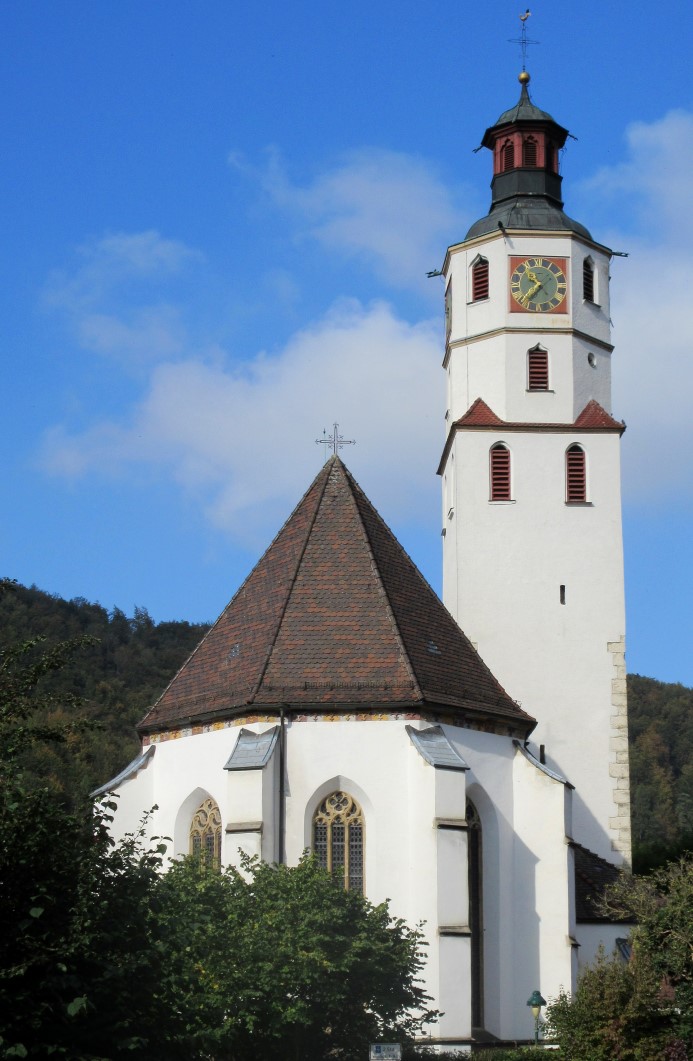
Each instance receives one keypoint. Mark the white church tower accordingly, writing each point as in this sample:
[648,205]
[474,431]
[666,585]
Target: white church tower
[532,542]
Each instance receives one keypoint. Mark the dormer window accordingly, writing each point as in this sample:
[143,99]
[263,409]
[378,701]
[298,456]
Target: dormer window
[507,156]
[588,280]
[479,280]
[529,151]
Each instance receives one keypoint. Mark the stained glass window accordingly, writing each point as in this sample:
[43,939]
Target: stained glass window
[205,833]
[338,839]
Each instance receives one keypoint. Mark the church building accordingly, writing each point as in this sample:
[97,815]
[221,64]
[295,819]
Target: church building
[467,760]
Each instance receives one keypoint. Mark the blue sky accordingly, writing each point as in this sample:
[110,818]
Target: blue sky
[218,220]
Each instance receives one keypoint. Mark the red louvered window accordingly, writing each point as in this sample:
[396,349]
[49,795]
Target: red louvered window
[575,474]
[507,156]
[537,369]
[529,151]
[500,473]
[479,280]
[588,280]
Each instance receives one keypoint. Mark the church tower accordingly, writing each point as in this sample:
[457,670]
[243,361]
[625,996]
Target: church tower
[532,541]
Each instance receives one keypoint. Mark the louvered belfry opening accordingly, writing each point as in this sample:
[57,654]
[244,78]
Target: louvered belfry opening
[538,369]
[500,473]
[480,280]
[588,280]
[529,151]
[575,474]
[507,156]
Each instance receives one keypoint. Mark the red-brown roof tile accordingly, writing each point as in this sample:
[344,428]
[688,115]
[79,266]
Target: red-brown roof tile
[334,614]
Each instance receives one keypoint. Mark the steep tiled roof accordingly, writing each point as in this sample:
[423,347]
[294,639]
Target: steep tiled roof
[481,417]
[334,614]
[593,875]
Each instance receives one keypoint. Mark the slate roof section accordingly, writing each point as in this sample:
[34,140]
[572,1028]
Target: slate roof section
[133,768]
[335,614]
[593,874]
[480,417]
[436,749]
[252,750]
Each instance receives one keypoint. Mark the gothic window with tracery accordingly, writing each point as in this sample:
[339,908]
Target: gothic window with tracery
[205,833]
[338,839]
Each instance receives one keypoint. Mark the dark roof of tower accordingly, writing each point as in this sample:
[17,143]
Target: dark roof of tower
[525,111]
[524,212]
[334,614]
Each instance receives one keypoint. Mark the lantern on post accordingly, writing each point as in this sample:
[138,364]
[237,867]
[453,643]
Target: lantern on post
[535,1002]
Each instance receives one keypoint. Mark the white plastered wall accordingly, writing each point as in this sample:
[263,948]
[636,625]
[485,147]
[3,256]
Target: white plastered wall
[504,564]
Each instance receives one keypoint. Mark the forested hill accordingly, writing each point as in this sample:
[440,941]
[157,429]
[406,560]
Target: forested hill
[135,658]
[118,678]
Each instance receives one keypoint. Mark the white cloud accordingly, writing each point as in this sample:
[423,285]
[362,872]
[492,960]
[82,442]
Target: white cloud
[390,210]
[112,298]
[653,359]
[654,183]
[243,441]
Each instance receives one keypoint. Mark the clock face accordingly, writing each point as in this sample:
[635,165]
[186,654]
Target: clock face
[538,285]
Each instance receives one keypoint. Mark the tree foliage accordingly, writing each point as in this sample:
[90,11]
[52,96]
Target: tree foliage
[92,707]
[660,720]
[641,1010]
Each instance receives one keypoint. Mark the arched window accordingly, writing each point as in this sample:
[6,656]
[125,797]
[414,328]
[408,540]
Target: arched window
[575,474]
[550,156]
[588,280]
[507,156]
[338,839]
[479,279]
[476,912]
[537,369]
[205,833]
[529,151]
[499,473]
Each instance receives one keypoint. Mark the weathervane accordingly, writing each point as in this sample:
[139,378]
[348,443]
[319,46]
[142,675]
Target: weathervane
[335,440]
[523,40]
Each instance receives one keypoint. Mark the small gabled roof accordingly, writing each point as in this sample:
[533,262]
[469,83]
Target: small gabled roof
[334,614]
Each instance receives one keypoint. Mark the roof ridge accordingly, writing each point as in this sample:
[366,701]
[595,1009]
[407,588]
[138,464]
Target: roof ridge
[376,566]
[297,568]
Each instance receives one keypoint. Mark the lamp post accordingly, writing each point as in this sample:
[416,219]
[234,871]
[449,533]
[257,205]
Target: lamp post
[535,1001]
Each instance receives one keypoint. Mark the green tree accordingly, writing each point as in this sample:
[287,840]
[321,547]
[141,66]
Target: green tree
[285,963]
[641,1010]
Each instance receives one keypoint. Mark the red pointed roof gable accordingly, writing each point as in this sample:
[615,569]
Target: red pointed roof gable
[334,614]
[595,416]
[479,414]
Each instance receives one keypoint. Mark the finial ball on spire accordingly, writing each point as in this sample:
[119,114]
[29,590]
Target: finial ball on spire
[524,78]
